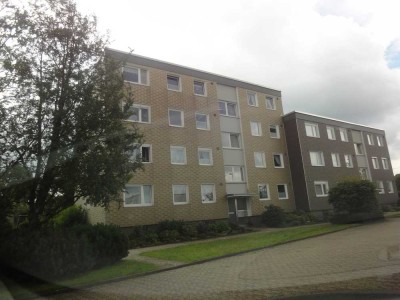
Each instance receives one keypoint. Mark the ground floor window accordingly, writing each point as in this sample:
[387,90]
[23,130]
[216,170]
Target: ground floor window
[321,188]
[282,191]
[138,195]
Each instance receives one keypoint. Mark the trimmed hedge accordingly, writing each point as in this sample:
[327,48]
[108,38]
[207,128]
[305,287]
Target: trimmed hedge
[356,217]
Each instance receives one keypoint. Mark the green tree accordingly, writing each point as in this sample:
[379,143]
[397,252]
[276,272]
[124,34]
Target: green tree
[61,119]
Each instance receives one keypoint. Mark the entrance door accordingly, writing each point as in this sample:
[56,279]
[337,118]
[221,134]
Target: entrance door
[232,215]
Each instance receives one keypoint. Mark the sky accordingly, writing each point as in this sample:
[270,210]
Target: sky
[339,59]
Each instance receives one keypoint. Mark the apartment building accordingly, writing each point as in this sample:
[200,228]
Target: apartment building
[324,150]
[214,147]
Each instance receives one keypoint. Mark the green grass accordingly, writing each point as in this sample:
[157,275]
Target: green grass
[122,268]
[200,251]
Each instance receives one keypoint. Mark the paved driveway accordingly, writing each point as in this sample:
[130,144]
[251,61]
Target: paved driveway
[369,250]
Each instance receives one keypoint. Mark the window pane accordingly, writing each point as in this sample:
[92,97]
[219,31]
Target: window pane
[134,114]
[222,108]
[281,191]
[318,190]
[131,74]
[270,103]
[143,76]
[263,191]
[145,114]
[251,99]
[179,193]
[277,160]
[178,155]
[175,118]
[255,128]
[231,109]
[226,139]
[199,88]
[173,83]
[204,157]
[234,141]
[207,193]
[237,174]
[274,131]
[132,194]
[201,121]
[145,154]
[147,194]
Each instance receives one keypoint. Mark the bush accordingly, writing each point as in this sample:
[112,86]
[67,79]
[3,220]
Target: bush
[189,231]
[171,225]
[169,236]
[142,236]
[274,216]
[73,215]
[222,227]
[356,217]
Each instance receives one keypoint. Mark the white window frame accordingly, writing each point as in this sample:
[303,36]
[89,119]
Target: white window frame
[262,156]
[278,134]
[184,153]
[226,114]
[202,193]
[385,163]
[182,118]
[379,140]
[281,159]
[330,131]
[207,121]
[204,88]
[324,188]
[380,187]
[320,157]
[230,140]
[272,100]
[233,170]
[205,150]
[350,164]
[259,128]
[140,115]
[358,148]
[150,154]
[343,135]
[390,187]
[187,194]
[313,130]
[142,203]
[268,192]
[336,160]
[370,139]
[249,94]
[140,70]
[286,191]
[375,163]
[179,83]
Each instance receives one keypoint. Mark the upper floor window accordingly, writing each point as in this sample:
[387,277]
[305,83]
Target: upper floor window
[385,163]
[255,128]
[282,191]
[274,131]
[263,191]
[370,139]
[178,155]
[375,163]
[358,147]
[317,158]
[380,188]
[180,193]
[138,195]
[173,83]
[202,121]
[278,161]
[135,75]
[252,99]
[227,108]
[139,113]
[348,160]
[208,193]
[205,156]
[343,135]
[379,140]
[175,118]
[321,188]
[331,132]
[259,159]
[335,159]
[312,130]
[390,187]
[230,140]
[270,102]
[199,88]
[234,174]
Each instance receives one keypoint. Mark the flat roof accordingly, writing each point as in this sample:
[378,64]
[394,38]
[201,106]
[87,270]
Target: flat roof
[175,68]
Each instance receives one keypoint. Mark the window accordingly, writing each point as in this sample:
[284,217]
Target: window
[370,139]
[205,157]
[375,163]
[274,131]
[317,158]
[390,187]
[278,160]
[252,99]
[230,140]
[335,160]
[175,118]
[135,75]
[312,130]
[207,193]
[142,152]
[282,191]
[259,159]
[321,188]
[380,140]
[199,88]
[227,109]
[173,83]
[385,163]
[331,133]
[180,194]
[348,160]
[138,195]
[343,135]
[234,174]
[255,128]
[178,155]
[202,121]
[379,187]
[363,173]
[263,191]
[358,147]
[270,102]
[139,113]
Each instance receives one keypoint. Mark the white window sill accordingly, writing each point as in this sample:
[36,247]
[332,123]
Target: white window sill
[138,205]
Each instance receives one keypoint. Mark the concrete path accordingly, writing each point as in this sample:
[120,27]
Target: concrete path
[369,250]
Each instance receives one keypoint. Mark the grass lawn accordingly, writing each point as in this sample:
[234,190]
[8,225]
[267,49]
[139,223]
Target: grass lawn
[200,251]
[120,269]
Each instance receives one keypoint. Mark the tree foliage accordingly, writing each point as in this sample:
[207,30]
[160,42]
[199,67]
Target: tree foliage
[62,134]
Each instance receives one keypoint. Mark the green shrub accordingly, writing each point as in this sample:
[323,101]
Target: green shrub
[202,228]
[169,235]
[274,216]
[222,227]
[170,225]
[355,217]
[189,231]
[73,215]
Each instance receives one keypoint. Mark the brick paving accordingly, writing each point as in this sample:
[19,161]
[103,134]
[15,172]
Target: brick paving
[351,259]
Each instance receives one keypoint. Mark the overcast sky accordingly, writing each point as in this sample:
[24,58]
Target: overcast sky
[339,59]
